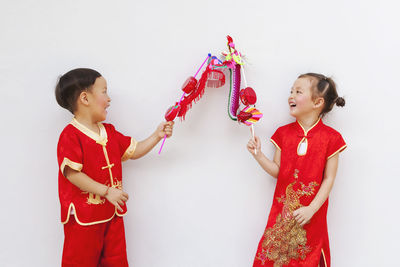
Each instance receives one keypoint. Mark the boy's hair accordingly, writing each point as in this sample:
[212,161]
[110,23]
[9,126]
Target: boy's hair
[325,87]
[71,84]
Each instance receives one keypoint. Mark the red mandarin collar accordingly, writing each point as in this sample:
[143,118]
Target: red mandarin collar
[307,134]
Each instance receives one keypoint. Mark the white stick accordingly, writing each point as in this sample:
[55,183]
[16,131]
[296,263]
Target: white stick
[254,139]
[244,77]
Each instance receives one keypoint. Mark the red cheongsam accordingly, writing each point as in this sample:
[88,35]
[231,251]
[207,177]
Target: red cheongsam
[98,156]
[303,158]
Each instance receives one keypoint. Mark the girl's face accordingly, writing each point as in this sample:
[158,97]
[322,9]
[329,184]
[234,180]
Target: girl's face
[99,99]
[300,99]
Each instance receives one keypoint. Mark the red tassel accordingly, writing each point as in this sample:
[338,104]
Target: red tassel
[195,96]
[215,79]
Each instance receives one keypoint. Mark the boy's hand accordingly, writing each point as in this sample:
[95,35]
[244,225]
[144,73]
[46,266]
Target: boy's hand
[254,144]
[303,215]
[165,128]
[117,197]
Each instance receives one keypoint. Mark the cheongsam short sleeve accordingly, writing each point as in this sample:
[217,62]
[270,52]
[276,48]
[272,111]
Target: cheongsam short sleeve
[336,145]
[69,152]
[276,138]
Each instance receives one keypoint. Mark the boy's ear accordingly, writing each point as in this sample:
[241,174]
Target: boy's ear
[319,102]
[84,98]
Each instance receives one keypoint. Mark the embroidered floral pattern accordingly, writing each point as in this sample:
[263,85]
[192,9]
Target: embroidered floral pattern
[287,240]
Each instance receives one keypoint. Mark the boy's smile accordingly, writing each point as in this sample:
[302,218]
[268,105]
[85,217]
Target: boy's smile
[99,100]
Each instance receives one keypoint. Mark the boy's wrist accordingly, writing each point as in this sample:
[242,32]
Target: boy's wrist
[106,192]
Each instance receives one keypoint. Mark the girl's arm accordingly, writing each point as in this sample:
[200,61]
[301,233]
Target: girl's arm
[144,147]
[115,196]
[271,167]
[304,214]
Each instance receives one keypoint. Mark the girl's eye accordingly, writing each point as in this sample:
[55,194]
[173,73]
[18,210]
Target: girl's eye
[299,92]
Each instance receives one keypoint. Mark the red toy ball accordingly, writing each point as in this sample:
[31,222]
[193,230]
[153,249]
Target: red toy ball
[189,85]
[172,112]
[248,96]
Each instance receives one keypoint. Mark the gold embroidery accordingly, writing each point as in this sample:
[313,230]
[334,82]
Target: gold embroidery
[117,184]
[95,199]
[287,240]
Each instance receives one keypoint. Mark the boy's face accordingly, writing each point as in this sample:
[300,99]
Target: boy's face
[99,100]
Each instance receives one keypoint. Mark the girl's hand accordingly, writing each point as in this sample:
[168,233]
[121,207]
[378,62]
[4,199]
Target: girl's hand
[165,128]
[117,197]
[254,144]
[303,215]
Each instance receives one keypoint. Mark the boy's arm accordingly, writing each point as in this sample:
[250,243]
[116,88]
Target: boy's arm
[271,167]
[145,146]
[81,180]
[304,214]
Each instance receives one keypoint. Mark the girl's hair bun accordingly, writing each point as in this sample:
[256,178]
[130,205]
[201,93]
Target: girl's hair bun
[340,102]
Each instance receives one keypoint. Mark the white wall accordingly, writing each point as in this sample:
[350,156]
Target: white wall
[204,202]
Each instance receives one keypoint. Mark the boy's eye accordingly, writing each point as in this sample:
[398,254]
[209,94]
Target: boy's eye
[299,92]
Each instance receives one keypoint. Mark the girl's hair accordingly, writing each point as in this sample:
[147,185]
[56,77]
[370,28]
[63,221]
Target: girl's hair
[325,87]
[71,84]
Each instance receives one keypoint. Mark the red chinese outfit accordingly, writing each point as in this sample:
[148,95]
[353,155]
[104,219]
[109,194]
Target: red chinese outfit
[84,214]
[303,158]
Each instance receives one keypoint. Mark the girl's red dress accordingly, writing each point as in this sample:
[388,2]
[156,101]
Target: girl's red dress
[303,158]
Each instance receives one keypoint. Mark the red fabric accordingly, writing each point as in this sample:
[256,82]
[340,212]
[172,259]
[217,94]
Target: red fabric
[284,242]
[80,148]
[95,245]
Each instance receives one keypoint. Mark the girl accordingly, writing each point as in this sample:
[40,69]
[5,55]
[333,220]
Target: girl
[305,163]
[90,173]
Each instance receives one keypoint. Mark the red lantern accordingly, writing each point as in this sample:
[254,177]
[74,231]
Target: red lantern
[172,112]
[189,85]
[248,96]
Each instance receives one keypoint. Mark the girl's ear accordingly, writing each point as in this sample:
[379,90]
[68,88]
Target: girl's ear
[84,98]
[319,102]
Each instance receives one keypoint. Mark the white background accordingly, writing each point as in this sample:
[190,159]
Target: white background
[204,202]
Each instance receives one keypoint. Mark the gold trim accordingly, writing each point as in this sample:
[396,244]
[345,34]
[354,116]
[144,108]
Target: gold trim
[96,137]
[73,165]
[81,223]
[305,136]
[337,151]
[108,164]
[323,254]
[298,146]
[306,132]
[275,144]
[130,150]
[120,215]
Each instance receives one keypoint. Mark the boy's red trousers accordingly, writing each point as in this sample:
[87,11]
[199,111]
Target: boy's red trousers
[95,245]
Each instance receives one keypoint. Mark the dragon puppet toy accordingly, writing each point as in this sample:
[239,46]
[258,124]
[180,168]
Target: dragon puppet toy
[214,77]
